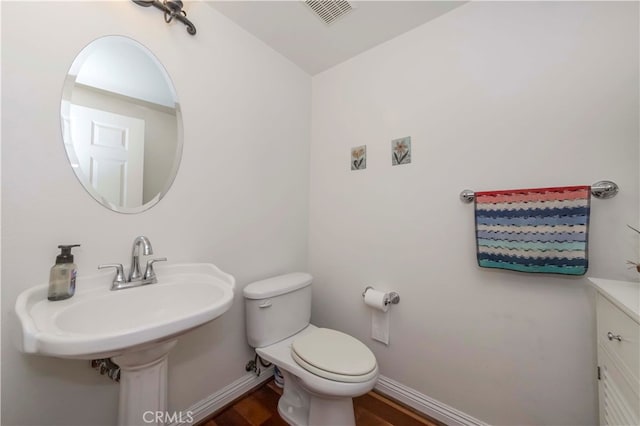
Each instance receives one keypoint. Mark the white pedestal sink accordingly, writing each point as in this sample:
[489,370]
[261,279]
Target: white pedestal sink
[136,327]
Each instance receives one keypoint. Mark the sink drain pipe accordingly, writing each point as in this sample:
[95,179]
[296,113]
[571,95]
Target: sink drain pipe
[108,367]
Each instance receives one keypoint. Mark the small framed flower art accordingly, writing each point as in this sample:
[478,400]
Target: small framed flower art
[359,157]
[401,151]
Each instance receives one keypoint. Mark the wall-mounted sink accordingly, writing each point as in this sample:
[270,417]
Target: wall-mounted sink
[136,327]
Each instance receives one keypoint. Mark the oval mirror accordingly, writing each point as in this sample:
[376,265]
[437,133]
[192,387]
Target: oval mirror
[121,124]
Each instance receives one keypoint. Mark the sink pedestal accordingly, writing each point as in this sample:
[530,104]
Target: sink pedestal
[143,385]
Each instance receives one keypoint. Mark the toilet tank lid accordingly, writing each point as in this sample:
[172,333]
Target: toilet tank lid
[276,286]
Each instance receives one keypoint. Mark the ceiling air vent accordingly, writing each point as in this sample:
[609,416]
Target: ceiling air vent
[329,10]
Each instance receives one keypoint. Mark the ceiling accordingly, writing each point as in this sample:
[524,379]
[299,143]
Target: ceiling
[292,28]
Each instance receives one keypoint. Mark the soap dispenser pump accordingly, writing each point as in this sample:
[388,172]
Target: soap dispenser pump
[62,279]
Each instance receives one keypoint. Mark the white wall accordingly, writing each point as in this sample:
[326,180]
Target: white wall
[495,95]
[240,199]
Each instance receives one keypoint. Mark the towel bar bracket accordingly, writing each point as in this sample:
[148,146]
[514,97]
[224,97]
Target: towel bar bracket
[603,190]
[467,196]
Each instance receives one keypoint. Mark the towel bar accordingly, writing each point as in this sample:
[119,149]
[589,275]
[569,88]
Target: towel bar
[602,189]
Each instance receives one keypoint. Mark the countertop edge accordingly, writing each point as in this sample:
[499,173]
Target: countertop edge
[624,294]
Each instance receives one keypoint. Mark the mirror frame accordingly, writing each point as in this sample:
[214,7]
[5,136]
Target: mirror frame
[68,86]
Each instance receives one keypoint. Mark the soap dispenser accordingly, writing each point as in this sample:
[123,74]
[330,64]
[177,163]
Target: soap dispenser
[62,279]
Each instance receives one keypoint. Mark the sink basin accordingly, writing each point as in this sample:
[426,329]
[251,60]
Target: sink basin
[100,323]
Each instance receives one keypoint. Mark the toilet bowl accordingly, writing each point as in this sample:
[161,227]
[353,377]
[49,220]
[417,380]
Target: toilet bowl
[323,369]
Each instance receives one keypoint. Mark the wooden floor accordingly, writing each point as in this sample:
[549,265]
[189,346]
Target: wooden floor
[260,408]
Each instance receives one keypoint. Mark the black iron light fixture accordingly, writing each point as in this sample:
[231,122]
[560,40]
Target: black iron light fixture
[172,9]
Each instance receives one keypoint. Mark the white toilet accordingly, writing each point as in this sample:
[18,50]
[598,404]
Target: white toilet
[323,369]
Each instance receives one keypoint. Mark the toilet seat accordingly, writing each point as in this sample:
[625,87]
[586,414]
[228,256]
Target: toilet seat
[334,355]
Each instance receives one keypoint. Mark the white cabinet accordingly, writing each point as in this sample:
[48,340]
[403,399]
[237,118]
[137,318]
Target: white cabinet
[618,328]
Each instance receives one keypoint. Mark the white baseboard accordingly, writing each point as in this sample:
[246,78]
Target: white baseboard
[425,404]
[202,409]
[406,395]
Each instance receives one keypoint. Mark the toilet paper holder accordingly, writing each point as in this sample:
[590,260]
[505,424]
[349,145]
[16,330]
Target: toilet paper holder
[389,298]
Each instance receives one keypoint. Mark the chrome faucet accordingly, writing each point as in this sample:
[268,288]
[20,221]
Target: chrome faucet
[135,278]
[134,272]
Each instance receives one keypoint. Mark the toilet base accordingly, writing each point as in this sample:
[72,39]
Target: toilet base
[334,411]
[293,405]
[298,407]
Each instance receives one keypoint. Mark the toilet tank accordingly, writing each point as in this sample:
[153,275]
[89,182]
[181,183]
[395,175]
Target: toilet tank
[277,308]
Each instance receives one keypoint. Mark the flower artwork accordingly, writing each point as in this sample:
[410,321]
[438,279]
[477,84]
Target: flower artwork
[401,151]
[359,157]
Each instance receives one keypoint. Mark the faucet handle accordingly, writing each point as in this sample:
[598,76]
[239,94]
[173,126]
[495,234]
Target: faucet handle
[119,278]
[149,273]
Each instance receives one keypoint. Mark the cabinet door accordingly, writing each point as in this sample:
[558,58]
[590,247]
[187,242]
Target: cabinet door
[624,348]
[619,404]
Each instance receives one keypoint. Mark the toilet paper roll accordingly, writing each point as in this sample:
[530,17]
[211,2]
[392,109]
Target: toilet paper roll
[375,299]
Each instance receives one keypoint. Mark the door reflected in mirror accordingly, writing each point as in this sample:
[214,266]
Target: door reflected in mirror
[121,124]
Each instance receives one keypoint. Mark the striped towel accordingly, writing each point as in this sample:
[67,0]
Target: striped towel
[534,230]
